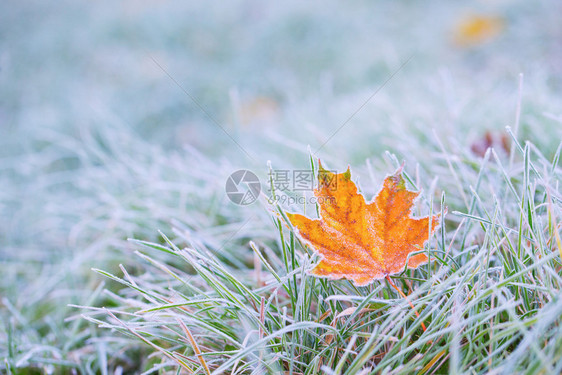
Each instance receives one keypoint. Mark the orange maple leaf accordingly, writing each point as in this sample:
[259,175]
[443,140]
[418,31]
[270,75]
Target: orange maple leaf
[363,241]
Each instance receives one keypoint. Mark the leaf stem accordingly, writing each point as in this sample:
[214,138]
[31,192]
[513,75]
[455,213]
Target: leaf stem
[405,297]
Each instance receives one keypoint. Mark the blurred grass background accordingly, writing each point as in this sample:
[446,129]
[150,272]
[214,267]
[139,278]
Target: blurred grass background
[100,144]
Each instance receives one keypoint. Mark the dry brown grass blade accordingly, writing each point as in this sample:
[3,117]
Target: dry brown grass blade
[405,297]
[194,346]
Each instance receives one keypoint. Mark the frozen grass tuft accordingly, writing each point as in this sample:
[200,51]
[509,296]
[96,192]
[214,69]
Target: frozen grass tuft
[91,193]
[490,298]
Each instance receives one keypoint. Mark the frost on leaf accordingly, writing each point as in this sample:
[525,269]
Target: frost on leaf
[363,241]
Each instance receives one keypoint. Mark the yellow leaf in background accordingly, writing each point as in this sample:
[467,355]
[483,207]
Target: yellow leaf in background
[477,29]
[258,110]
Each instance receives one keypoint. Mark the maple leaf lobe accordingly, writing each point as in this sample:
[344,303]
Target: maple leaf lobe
[363,241]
